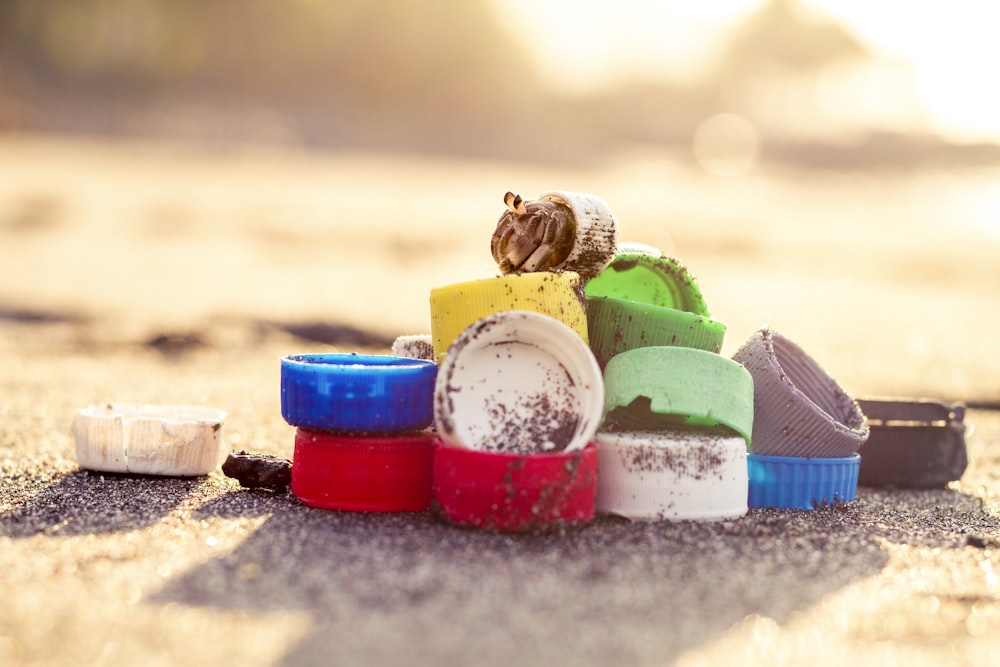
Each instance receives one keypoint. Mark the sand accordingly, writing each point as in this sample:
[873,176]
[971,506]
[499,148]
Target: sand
[148,273]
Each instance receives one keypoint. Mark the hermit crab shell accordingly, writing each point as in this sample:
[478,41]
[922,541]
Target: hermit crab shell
[593,228]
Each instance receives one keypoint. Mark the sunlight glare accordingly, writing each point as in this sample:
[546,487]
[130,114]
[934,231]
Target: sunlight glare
[587,45]
[945,49]
[952,49]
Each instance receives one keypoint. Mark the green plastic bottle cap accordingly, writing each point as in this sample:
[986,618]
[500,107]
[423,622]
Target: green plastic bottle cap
[618,325]
[651,388]
[648,278]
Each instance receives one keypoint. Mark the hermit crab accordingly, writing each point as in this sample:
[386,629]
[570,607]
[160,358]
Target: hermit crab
[532,236]
[557,231]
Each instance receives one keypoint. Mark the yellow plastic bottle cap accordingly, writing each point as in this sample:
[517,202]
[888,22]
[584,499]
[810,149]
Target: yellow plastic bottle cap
[455,307]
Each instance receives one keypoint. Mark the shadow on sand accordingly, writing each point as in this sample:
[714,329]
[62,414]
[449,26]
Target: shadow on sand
[409,588]
[89,503]
[393,589]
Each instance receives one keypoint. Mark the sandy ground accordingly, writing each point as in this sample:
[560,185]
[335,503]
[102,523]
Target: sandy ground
[148,273]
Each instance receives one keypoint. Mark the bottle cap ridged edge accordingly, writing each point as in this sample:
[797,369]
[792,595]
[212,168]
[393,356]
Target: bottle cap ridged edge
[801,483]
[515,492]
[389,473]
[799,410]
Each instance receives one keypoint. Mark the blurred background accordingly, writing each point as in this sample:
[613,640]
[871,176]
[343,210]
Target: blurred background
[816,83]
[829,167]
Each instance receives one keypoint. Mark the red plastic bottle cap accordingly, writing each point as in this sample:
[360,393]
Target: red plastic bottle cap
[515,492]
[366,473]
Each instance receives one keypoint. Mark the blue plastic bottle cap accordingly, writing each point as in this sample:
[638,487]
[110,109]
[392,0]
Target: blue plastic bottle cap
[793,482]
[355,393]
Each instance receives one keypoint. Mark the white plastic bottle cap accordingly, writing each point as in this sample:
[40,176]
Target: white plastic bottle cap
[414,346]
[672,474]
[181,440]
[518,382]
[596,232]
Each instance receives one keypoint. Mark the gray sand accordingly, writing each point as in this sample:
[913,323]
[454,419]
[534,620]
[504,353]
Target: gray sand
[113,570]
